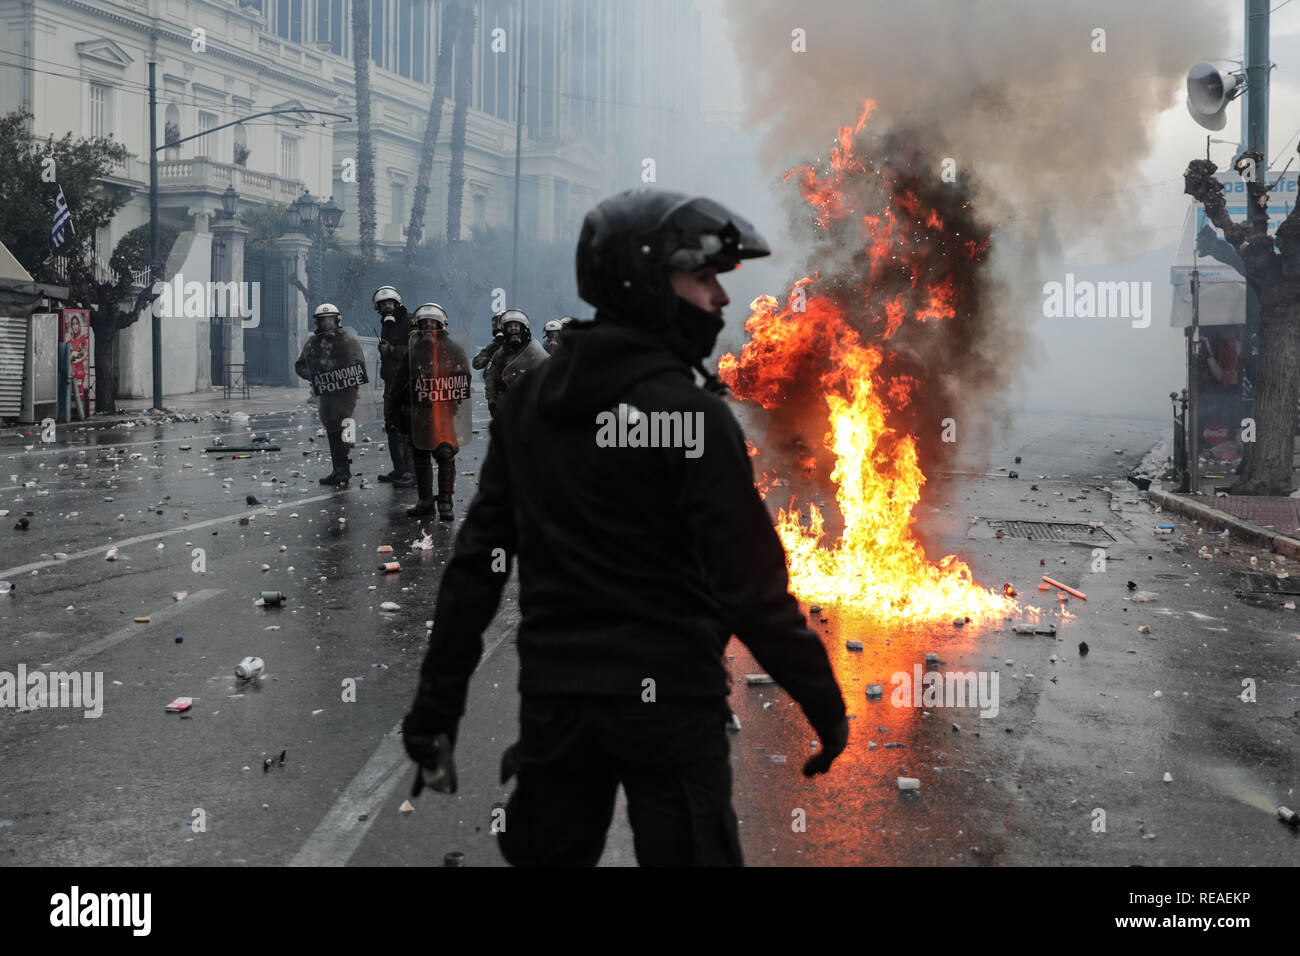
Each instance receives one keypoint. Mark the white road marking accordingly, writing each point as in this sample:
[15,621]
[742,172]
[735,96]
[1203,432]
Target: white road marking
[152,536]
[339,834]
[131,630]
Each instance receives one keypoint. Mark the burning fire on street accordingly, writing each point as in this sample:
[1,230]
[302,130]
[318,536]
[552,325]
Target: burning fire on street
[861,370]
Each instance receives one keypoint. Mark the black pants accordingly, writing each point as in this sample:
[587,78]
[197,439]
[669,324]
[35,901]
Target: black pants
[573,752]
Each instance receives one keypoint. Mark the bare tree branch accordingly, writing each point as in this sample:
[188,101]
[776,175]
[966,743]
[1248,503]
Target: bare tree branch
[1200,184]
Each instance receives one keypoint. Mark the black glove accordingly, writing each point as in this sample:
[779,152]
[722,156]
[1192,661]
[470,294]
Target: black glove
[433,752]
[385,347]
[498,337]
[833,745]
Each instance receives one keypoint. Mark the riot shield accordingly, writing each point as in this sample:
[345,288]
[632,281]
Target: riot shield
[335,362]
[440,397]
[530,356]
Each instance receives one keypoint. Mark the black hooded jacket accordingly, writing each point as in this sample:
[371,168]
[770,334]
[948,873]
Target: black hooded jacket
[634,562]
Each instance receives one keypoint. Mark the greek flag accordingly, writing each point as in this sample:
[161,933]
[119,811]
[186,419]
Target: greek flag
[62,217]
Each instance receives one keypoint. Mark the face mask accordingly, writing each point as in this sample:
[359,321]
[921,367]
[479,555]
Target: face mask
[389,317]
[514,341]
[694,332]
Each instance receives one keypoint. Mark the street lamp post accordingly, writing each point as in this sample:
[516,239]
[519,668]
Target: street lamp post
[319,219]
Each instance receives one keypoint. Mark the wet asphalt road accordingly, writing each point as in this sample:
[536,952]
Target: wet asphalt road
[1070,737]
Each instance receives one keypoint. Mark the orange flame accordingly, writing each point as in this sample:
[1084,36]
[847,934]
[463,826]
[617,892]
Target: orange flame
[876,564]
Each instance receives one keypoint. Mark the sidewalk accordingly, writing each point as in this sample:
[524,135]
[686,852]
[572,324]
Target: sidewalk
[211,402]
[1272,523]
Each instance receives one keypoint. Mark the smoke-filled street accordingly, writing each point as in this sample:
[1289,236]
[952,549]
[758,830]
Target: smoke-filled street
[1018,775]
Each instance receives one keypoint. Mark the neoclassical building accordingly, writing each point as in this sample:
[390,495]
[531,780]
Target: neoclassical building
[607,84]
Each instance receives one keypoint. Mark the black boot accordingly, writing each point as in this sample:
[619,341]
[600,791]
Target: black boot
[446,485]
[396,443]
[407,478]
[341,474]
[424,482]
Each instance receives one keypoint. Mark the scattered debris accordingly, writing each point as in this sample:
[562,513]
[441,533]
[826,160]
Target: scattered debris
[407,807]
[250,668]
[734,722]
[1046,629]
[853,645]
[390,566]
[908,783]
[1064,587]
[1288,816]
[111,555]
[1083,648]
[390,606]
[875,691]
[1144,629]
[1169,778]
[180,704]
[143,620]
[270,599]
[753,679]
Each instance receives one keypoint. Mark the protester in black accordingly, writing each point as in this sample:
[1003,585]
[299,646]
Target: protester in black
[636,563]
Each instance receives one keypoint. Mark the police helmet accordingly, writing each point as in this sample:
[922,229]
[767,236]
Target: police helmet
[512,315]
[328,318]
[430,316]
[552,326]
[386,292]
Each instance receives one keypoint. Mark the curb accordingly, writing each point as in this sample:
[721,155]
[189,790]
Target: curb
[1248,531]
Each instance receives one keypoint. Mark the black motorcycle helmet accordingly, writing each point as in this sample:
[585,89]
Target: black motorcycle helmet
[630,241]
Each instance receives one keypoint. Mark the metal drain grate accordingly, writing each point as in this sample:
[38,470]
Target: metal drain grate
[1051,531]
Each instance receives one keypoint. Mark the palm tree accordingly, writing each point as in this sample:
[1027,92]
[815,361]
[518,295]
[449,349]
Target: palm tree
[451,14]
[464,74]
[365,147]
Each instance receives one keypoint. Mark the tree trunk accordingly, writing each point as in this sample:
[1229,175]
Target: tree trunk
[451,16]
[1267,470]
[365,147]
[105,369]
[464,76]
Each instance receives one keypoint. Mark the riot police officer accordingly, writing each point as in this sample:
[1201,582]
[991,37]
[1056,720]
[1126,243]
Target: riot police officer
[333,362]
[626,608]
[483,363]
[551,332]
[394,330]
[519,352]
[431,401]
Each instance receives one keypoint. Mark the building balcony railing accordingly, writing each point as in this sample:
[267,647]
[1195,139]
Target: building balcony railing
[203,173]
[102,271]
